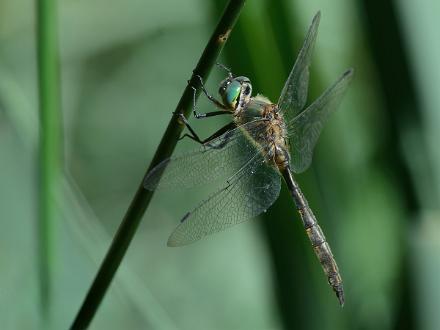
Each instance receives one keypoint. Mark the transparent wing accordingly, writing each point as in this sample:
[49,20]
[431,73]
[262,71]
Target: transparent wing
[245,195]
[294,94]
[220,158]
[305,129]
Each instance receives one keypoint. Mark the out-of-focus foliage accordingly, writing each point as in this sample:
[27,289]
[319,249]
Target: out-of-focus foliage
[374,183]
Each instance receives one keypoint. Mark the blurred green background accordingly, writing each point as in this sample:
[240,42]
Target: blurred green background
[374,183]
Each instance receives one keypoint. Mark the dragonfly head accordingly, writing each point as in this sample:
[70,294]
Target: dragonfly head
[235,91]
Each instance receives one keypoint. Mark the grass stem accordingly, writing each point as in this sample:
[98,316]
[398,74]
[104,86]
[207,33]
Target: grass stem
[49,141]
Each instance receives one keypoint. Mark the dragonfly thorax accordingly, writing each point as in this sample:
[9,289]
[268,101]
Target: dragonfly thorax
[235,92]
[269,129]
[275,136]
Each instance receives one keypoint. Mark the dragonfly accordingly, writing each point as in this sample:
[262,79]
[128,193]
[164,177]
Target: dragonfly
[264,142]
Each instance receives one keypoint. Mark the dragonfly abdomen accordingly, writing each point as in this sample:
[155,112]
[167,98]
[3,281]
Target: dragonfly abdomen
[323,252]
[316,236]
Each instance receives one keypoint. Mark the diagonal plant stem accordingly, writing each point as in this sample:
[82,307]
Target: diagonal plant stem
[142,197]
[50,142]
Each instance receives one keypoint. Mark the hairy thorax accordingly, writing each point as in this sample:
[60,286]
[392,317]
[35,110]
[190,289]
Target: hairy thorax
[273,133]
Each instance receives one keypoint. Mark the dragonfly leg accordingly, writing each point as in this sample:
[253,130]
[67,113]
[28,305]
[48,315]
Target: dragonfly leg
[193,135]
[220,132]
[201,115]
[224,67]
[217,103]
[211,114]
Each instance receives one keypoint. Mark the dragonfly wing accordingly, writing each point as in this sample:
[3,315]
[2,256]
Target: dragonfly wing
[294,94]
[217,159]
[245,195]
[304,130]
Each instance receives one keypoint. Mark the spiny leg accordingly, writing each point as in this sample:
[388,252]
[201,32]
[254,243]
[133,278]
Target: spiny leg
[197,115]
[217,103]
[200,115]
[195,137]
[224,67]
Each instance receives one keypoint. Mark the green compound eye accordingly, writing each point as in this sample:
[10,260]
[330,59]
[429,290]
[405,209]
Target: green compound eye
[232,92]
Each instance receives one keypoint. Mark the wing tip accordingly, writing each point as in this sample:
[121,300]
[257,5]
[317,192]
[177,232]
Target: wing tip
[153,176]
[317,17]
[147,184]
[175,241]
[346,77]
[176,238]
[315,22]
[171,242]
[348,73]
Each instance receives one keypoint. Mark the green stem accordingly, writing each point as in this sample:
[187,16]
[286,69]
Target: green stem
[142,198]
[50,140]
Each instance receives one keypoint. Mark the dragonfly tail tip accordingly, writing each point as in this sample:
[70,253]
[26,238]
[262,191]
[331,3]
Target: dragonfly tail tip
[341,298]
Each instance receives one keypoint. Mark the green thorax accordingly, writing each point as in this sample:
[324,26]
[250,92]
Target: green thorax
[254,108]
